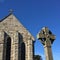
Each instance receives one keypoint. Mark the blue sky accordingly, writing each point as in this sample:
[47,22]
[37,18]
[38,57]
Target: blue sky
[35,14]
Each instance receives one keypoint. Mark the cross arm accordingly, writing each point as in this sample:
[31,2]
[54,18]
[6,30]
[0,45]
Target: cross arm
[52,38]
[40,36]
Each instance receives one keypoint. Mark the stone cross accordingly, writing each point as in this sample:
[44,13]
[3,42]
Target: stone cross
[10,11]
[47,38]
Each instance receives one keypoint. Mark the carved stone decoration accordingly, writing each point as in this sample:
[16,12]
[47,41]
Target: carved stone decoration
[47,38]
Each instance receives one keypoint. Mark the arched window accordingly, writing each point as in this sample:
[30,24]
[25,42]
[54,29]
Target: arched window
[23,51]
[8,48]
[21,48]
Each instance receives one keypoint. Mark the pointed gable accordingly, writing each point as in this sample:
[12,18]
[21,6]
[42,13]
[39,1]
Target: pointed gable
[11,23]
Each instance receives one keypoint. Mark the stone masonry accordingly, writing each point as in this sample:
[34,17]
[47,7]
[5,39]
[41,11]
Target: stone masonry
[47,38]
[16,43]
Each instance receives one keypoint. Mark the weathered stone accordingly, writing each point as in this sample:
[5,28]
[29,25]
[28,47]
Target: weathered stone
[47,38]
[14,38]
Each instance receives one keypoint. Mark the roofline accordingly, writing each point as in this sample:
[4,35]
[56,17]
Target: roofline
[5,17]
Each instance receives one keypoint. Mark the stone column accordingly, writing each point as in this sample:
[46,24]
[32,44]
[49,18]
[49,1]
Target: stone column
[1,45]
[48,51]
[47,38]
[16,42]
[30,49]
[26,56]
[12,46]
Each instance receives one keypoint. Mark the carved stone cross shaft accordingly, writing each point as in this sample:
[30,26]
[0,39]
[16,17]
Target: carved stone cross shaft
[47,38]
